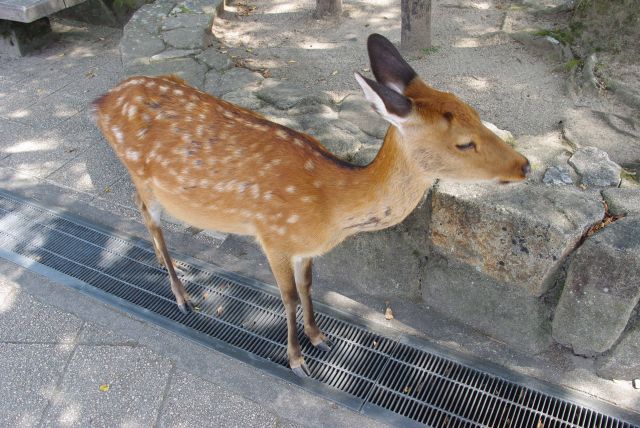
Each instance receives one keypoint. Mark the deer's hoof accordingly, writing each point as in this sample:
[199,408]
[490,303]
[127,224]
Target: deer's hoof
[325,345]
[302,371]
[186,307]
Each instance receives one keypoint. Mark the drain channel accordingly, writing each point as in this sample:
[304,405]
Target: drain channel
[402,384]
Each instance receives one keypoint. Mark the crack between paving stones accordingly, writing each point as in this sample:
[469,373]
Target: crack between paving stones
[165,394]
[55,392]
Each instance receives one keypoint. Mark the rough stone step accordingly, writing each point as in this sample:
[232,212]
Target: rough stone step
[601,290]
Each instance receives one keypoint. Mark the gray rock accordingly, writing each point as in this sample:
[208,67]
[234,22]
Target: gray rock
[386,264]
[557,176]
[622,361]
[211,79]
[138,48]
[246,99]
[187,68]
[149,17]
[215,59]
[616,135]
[342,138]
[173,54]
[188,38]
[357,110]
[514,234]
[188,20]
[544,151]
[595,168]
[366,155]
[510,314]
[544,46]
[601,290]
[284,95]
[234,79]
[210,7]
[622,201]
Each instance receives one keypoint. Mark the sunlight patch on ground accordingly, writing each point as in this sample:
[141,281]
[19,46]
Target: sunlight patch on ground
[477,83]
[33,145]
[8,295]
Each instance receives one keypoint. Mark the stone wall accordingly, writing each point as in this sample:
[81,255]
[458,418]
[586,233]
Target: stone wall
[518,262]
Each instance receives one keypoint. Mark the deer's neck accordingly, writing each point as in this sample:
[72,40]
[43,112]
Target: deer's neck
[385,192]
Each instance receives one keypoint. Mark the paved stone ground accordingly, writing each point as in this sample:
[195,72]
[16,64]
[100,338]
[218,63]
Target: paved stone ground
[48,151]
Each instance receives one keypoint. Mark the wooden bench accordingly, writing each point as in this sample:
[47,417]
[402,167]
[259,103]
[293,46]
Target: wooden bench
[24,24]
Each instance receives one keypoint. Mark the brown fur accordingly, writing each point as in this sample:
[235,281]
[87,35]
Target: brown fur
[218,166]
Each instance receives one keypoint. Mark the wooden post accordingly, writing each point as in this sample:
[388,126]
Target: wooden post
[328,8]
[416,25]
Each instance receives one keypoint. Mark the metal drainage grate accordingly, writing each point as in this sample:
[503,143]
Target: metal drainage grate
[378,376]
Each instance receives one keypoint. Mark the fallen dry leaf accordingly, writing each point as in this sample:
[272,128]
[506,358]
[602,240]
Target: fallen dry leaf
[219,311]
[334,72]
[104,387]
[388,313]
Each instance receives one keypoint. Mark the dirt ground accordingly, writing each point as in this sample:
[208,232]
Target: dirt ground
[472,54]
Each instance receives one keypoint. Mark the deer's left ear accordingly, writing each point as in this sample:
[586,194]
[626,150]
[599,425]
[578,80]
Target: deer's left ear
[391,105]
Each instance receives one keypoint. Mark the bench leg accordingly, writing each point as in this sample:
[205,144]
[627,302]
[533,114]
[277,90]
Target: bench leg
[17,38]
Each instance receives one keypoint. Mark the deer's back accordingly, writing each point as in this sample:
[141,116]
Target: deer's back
[216,165]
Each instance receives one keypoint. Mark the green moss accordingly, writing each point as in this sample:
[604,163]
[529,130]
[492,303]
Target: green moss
[431,50]
[572,64]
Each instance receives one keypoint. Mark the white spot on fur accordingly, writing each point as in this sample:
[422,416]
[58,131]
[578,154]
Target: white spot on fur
[281,133]
[291,189]
[317,184]
[255,191]
[150,84]
[132,155]
[163,88]
[309,165]
[118,134]
[141,133]
[146,117]
[268,195]
[298,142]
[178,92]
[132,111]
[293,219]
[307,199]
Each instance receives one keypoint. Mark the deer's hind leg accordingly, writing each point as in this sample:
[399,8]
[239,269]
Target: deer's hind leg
[302,268]
[152,222]
[282,269]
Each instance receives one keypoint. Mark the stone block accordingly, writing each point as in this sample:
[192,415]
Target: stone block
[188,38]
[387,264]
[246,99]
[215,59]
[284,95]
[18,38]
[505,312]
[622,201]
[342,138]
[622,361]
[601,289]
[188,20]
[231,80]
[545,151]
[137,47]
[515,234]
[173,54]
[357,110]
[595,168]
[187,68]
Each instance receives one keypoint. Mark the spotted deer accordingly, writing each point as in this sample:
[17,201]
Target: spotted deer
[218,166]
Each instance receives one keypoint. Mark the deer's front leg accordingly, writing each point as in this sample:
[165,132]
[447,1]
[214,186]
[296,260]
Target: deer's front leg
[162,253]
[283,271]
[302,267]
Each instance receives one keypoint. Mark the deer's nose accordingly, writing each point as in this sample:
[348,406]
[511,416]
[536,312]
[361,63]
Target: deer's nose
[526,169]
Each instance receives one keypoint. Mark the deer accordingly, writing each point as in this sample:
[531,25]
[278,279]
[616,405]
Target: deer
[217,166]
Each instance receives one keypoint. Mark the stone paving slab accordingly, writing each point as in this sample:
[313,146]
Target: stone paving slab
[25,319]
[27,379]
[191,401]
[136,379]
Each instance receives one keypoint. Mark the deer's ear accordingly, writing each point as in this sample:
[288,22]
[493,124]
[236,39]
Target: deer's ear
[388,65]
[389,104]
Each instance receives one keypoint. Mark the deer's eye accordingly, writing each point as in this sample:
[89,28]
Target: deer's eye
[464,147]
